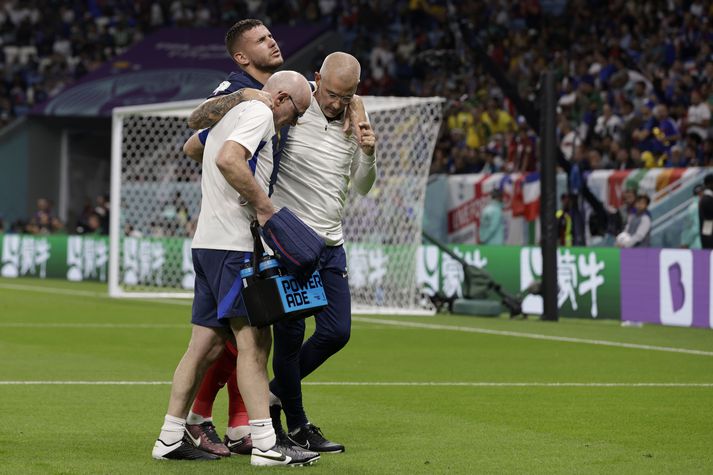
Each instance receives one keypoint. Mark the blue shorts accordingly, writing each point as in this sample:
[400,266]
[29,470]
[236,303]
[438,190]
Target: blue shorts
[217,290]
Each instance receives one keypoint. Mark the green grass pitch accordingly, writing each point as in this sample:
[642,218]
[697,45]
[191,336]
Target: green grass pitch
[443,394]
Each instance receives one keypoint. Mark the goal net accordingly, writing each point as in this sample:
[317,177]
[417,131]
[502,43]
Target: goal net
[155,201]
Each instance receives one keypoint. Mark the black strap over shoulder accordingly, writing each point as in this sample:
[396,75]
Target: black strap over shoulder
[258,248]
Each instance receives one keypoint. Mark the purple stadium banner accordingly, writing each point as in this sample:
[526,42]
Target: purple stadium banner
[172,64]
[667,286]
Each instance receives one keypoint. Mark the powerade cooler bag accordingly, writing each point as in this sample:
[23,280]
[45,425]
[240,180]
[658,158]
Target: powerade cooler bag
[296,245]
[270,297]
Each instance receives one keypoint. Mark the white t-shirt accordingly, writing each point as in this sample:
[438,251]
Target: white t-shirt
[225,217]
[315,169]
[698,114]
[569,143]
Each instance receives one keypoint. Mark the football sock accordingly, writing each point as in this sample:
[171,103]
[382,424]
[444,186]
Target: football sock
[235,433]
[195,419]
[172,429]
[215,378]
[262,434]
[237,412]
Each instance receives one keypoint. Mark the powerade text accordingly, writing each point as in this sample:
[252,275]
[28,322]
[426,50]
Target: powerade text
[296,294]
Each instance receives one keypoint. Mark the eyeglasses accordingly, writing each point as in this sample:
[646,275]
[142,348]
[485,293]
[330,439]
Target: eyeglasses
[343,99]
[297,111]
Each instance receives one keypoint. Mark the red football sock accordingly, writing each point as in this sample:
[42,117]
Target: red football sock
[215,378]
[237,412]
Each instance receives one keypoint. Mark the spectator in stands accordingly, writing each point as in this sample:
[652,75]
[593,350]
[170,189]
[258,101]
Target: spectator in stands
[698,118]
[564,220]
[623,160]
[492,223]
[676,158]
[608,124]
[497,119]
[705,213]
[101,210]
[629,123]
[522,149]
[663,130]
[628,198]
[638,225]
[44,221]
[570,140]
[82,224]
[94,225]
[491,162]
[691,238]
[639,98]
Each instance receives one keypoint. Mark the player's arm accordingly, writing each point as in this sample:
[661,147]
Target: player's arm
[363,172]
[212,110]
[194,146]
[232,162]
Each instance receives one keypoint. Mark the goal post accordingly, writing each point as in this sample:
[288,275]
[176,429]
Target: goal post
[155,201]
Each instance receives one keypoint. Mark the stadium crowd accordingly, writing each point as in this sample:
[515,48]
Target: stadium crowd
[635,78]
[93,219]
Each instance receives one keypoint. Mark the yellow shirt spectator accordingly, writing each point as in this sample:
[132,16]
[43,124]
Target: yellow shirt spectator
[476,134]
[501,122]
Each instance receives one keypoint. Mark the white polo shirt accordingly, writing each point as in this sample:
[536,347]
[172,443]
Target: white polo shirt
[314,172]
[225,217]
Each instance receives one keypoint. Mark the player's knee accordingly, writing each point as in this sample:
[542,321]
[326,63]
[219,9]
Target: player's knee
[341,337]
[335,339]
[206,343]
[214,352]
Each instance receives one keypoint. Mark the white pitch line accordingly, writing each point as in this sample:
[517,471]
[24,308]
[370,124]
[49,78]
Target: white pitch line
[95,325]
[534,336]
[84,383]
[86,293]
[518,385]
[475,384]
[53,290]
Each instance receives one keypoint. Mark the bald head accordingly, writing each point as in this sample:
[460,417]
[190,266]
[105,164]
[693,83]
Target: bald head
[341,67]
[291,82]
[337,82]
[291,96]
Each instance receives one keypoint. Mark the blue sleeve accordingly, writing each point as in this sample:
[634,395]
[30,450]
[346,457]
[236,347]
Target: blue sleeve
[203,135]
[225,87]
[669,128]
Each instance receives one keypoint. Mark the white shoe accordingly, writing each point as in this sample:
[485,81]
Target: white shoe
[282,454]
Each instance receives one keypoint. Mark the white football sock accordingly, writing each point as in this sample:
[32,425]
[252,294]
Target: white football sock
[237,432]
[262,434]
[195,419]
[172,429]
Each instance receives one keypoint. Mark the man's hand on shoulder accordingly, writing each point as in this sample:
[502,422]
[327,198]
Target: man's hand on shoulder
[212,110]
[250,94]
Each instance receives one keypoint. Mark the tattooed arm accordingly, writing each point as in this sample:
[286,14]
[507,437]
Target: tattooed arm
[213,109]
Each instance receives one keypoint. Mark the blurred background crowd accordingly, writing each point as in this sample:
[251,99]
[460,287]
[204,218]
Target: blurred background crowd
[635,79]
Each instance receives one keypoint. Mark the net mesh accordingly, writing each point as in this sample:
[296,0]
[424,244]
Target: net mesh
[158,195]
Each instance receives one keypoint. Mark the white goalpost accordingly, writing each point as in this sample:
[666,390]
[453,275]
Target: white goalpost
[155,201]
